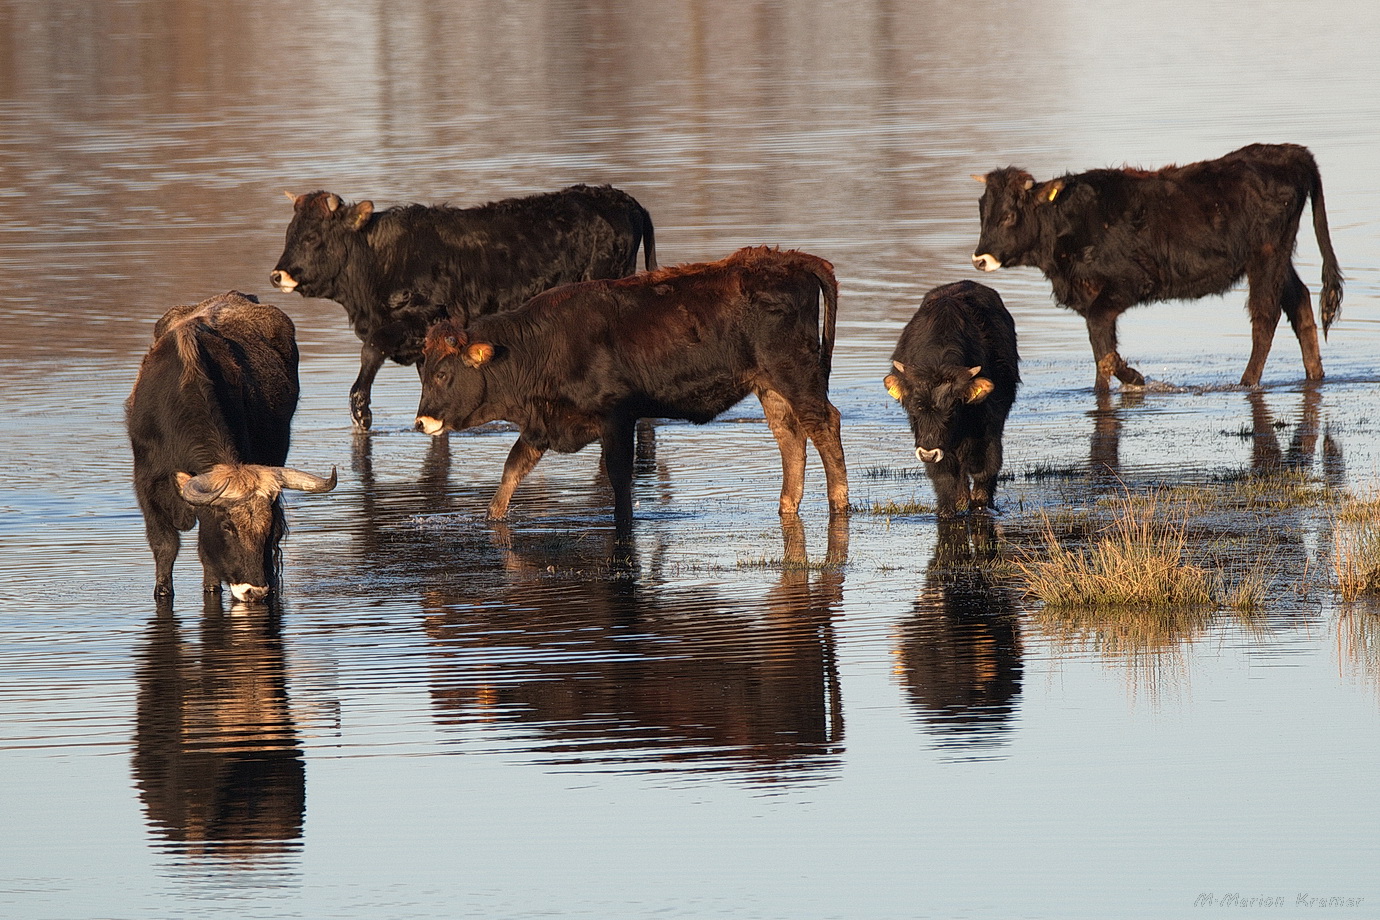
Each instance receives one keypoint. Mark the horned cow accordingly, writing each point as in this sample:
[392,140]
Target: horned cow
[209,423]
[955,372]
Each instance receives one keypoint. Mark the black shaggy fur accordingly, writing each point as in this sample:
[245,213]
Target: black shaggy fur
[955,372]
[398,270]
[1113,238]
[218,387]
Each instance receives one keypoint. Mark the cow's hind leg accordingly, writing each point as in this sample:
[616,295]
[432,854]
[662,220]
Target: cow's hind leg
[520,461]
[619,454]
[1298,306]
[790,440]
[1267,282]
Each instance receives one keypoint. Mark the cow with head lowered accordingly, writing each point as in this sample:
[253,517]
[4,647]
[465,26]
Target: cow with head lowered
[583,362]
[1109,239]
[398,270]
[209,422]
[955,371]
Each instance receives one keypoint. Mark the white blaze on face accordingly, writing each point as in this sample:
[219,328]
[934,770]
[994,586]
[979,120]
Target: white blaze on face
[986,262]
[248,593]
[432,426]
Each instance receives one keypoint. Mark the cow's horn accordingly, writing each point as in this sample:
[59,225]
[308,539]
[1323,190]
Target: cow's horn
[197,490]
[289,478]
[977,178]
[291,197]
[332,202]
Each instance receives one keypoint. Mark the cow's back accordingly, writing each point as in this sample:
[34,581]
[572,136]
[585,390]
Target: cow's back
[964,324]
[219,384]
[494,257]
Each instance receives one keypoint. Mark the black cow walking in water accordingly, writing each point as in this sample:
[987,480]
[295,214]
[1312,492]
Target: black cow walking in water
[1113,238]
[956,371]
[398,270]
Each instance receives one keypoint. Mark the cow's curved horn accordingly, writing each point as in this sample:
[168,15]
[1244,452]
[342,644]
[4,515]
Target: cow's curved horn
[291,197]
[977,178]
[332,202]
[198,490]
[304,482]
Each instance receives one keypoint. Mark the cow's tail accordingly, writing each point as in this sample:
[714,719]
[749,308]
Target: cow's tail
[829,285]
[648,240]
[1330,302]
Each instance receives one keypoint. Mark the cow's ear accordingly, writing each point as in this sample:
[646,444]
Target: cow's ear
[478,354]
[893,386]
[978,390]
[359,214]
[1050,190]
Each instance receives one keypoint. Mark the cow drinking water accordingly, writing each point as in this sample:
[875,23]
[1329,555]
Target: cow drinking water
[209,421]
[956,373]
[1113,238]
[398,270]
[584,362]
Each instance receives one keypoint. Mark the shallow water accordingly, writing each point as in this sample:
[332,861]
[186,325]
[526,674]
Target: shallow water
[447,718]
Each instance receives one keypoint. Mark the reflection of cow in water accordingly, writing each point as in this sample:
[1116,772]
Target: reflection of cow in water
[216,755]
[588,664]
[961,650]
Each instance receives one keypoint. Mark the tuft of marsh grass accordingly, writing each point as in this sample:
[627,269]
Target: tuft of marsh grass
[1138,560]
[1356,549]
[898,509]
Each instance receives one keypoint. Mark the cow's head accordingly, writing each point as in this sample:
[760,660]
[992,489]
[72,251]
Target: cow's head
[932,396]
[454,388]
[1012,222]
[322,238]
[241,521]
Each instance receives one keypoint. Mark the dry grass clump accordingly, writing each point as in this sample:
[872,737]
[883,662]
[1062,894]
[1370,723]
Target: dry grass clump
[1356,549]
[1139,560]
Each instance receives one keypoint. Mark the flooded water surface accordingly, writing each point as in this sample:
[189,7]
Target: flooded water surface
[737,716]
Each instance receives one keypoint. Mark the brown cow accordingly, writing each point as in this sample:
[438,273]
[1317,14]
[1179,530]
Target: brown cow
[583,362]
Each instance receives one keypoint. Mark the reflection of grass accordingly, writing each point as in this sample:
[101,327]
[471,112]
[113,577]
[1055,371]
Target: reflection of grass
[1356,549]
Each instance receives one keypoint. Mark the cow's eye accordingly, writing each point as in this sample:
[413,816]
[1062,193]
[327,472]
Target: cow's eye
[1009,220]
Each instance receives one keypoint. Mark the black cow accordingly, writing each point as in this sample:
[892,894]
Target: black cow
[209,421]
[585,361]
[956,374]
[399,270]
[1113,238]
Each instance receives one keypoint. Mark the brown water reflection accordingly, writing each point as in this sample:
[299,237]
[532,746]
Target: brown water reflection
[959,655]
[217,758]
[621,671]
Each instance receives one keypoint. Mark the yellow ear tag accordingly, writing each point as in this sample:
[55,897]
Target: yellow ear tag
[893,387]
[478,354]
[1054,191]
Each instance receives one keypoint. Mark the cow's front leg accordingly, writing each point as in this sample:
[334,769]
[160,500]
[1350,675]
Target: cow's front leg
[1102,336]
[617,443]
[520,461]
[370,360]
[986,463]
[165,541]
[944,476]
